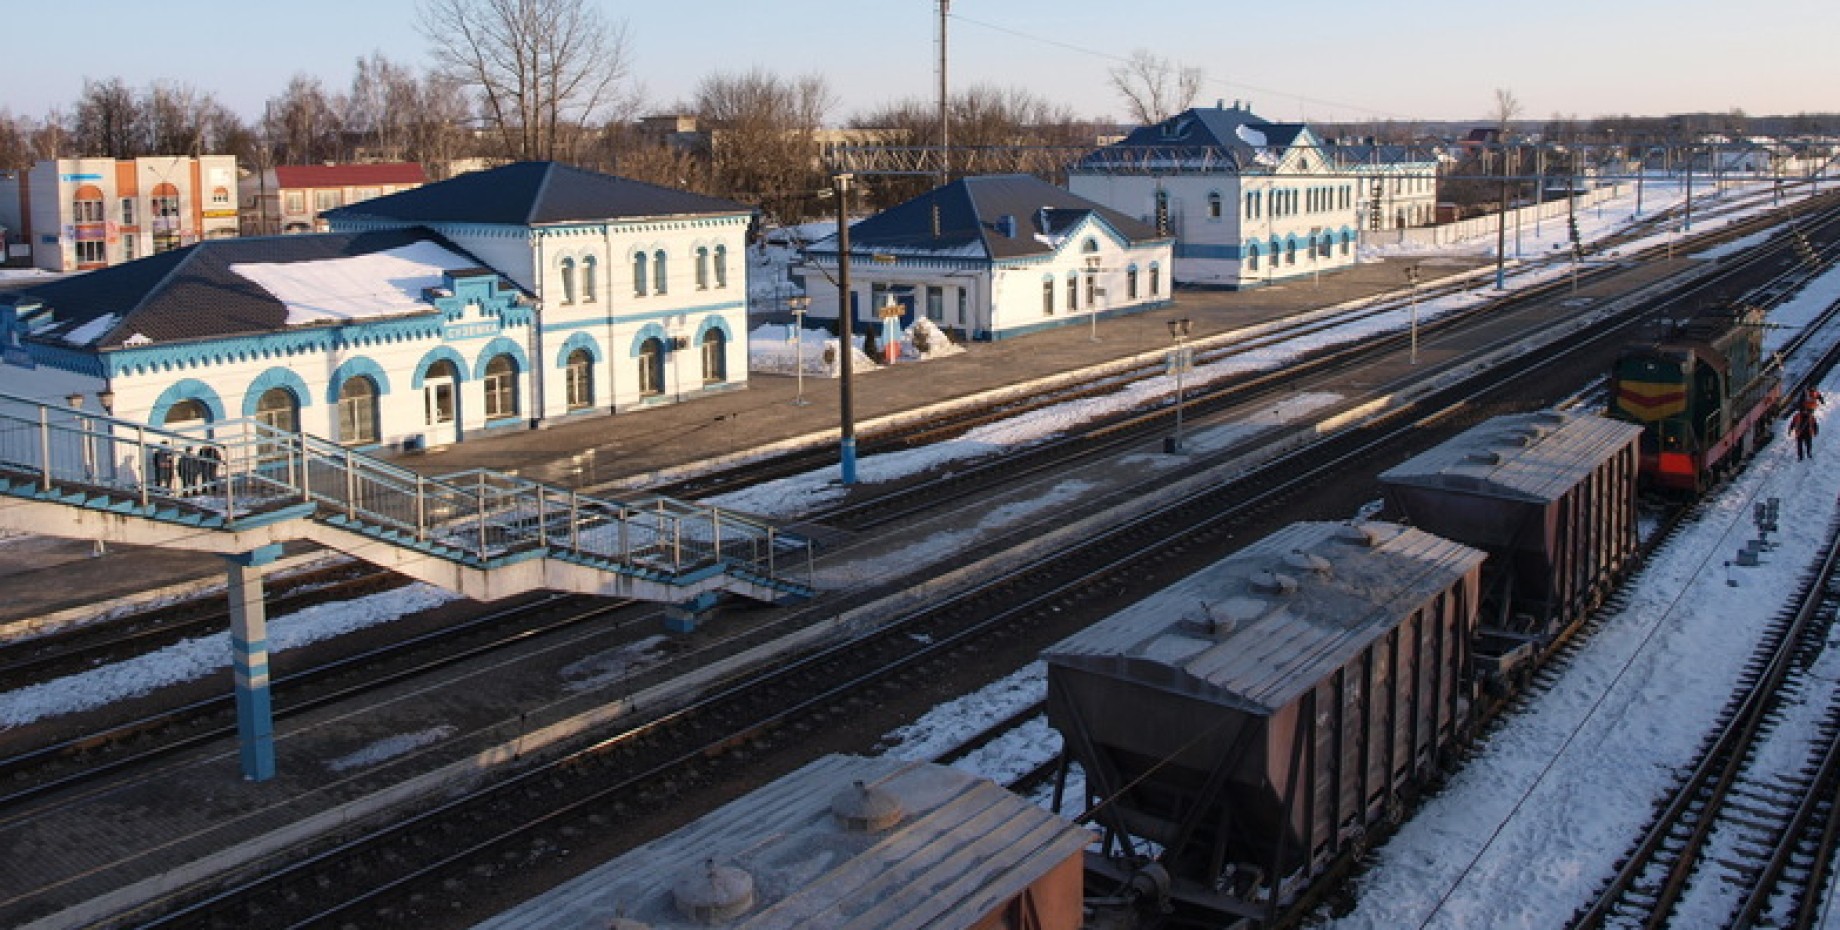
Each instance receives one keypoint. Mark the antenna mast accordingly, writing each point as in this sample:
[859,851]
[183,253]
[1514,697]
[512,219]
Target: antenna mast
[945,136]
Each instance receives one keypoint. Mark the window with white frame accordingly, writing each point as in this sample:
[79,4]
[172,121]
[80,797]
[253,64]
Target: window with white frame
[579,378]
[92,252]
[702,268]
[658,272]
[639,276]
[501,388]
[721,266]
[358,411]
[590,278]
[715,357]
[568,280]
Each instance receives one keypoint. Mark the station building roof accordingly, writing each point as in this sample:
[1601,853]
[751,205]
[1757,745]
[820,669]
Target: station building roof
[532,193]
[985,217]
[217,288]
[959,847]
[1533,457]
[1259,628]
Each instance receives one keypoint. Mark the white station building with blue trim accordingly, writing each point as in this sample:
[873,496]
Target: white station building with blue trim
[1248,201]
[503,299]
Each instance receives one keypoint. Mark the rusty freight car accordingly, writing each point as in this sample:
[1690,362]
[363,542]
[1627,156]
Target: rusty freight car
[1249,723]
[1551,497]
[845,843]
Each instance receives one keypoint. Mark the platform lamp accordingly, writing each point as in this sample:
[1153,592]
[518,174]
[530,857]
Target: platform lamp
[1412,279]
[1092,292]
[1180,361]
[798,304]
[845,329]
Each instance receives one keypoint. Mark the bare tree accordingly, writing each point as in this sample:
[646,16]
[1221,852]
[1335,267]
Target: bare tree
[303,123]
[543,68]
[108,121]
[177,120]
[1507,107]
[15,141]
[50,139]
[441,128]
[1155,88]
[381,106]
[761,128]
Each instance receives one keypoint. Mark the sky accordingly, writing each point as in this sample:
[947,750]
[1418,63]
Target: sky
[1328,61]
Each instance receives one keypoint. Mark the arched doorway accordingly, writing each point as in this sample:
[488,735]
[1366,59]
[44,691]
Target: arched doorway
[441,403]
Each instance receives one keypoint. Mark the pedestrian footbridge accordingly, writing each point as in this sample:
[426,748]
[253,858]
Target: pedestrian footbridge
[240,488]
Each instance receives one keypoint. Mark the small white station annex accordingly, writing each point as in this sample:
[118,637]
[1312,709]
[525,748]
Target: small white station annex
[992,257]
[507,298]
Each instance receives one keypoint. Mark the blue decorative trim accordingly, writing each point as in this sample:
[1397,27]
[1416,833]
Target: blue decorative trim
[438,354]
[709,323]
[503,422]
[648,331]
[276,378]
[187,389]
[355,367]
[497,347]
[578,341]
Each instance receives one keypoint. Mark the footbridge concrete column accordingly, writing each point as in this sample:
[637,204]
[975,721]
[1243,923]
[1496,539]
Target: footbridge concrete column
[255,722]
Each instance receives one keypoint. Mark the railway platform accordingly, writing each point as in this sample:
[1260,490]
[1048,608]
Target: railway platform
[51,582]
[82,860]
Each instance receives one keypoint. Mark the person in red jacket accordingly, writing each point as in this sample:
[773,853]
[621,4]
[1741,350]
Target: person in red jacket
[1803,427]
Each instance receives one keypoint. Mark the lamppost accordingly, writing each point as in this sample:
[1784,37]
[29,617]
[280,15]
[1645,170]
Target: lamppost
[1180,360]
[1092,291]
[798,304]
[1412,279]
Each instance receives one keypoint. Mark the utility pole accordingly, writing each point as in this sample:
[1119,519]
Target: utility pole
[945,130]
[1501,221]
[846,337]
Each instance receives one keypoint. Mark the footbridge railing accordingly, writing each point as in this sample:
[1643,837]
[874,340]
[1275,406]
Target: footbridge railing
[235,471]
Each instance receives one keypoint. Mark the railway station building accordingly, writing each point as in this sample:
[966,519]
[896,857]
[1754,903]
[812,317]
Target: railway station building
[993,257]
[508,298]
[1248,201]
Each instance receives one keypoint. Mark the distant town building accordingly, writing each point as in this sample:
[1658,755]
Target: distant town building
[77,214]
[290,198]
[994,256]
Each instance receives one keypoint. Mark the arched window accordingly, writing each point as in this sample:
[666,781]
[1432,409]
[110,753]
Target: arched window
[1130,282]
[1252,256]
[715,357]
[568,280]
[1073,293]
[86,205]
[651,368]
[1347,240]
[501,388]
[1156,280]
[1047,297]
[590,284]
[1290,251]
[164,205]
[278,410]
[658,275]
[721,266]
[1214,205]
[702,268]
[639,274]
[579,377]
[358,411]
[187,413]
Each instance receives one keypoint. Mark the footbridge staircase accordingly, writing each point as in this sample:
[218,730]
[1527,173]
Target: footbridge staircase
[241,488]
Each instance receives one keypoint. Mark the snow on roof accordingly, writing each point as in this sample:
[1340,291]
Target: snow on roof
[91,331]
[1249,135]
[387,283]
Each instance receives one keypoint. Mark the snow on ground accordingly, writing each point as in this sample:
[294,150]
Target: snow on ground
[205,655]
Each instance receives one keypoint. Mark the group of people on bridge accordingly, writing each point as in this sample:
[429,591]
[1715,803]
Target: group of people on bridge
[196,468]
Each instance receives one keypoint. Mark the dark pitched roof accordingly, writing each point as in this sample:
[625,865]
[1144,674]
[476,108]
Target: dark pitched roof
[349,175]
[1228,140]
[191,293]
[533,192]
[971,212]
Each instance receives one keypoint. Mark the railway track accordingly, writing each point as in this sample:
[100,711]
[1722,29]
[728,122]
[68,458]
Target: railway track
[723,737]
[706,749]
[1781,815]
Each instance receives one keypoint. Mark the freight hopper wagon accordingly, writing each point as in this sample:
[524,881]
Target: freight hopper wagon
[1705,397]
[1551,497]
[1247,725]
